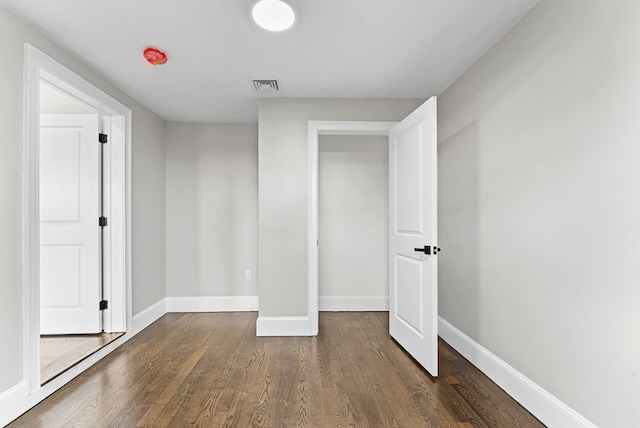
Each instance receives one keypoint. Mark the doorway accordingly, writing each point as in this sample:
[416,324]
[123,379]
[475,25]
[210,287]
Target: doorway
[413,280]
[70,201]
[317,129]
[69,169]
[46,79]
[353,222]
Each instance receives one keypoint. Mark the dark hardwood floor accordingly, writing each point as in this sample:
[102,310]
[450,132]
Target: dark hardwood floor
[59,353]
[210,370]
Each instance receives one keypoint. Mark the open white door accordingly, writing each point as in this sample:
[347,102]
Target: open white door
[413,269]
[69,233]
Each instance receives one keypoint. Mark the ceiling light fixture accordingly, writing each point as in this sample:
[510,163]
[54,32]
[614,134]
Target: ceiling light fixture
[273,15]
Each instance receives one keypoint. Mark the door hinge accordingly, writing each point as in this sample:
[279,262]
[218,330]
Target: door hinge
[102,138]
[102,221]
[104,304]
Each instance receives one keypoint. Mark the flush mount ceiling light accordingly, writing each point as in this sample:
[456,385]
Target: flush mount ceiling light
[273,15]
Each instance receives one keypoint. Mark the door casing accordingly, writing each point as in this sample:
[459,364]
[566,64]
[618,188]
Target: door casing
[39,66]
[317,128]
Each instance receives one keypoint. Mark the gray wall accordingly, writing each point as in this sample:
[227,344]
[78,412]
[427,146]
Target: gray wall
[353,216]
[212,209]
[282,192]
[539,201]
[148,207]
[539,204]
[148,189]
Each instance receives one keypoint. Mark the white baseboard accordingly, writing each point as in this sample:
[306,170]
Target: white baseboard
[148,316]
[17,400]
[213,304]
[544,406]
[12,403]
[353,304]
[283,326]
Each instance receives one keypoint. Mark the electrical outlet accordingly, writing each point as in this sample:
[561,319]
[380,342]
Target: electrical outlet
[247,274]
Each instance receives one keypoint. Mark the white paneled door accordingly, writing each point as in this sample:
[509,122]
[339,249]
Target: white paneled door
[413,269]
[70,259]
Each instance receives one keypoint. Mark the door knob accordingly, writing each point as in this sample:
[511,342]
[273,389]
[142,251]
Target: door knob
[427,250]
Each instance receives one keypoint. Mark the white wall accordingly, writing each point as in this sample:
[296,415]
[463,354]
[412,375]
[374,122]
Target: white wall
[539,197]
[212,209]
[282,193]
[148,189]
[353,216]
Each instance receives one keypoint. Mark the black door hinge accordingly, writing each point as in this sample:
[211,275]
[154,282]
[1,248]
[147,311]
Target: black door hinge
[102,138]
[102,221]
[104,304]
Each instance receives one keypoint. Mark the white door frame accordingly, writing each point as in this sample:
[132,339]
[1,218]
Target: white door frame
[317,128]
[118,318]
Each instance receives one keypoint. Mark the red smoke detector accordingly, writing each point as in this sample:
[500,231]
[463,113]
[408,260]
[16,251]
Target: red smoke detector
[155,56]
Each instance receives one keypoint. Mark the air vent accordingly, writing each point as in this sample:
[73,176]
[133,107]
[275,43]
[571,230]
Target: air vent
[265,85]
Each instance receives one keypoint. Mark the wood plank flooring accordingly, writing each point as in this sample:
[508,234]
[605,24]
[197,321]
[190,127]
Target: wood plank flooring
[59,353]
[210,370]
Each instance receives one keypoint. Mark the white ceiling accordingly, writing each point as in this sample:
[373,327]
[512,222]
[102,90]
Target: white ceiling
[338,49]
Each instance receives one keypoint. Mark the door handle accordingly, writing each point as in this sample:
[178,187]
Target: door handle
[427,250]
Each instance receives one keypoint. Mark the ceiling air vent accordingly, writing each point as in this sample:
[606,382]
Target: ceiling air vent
[265,85]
